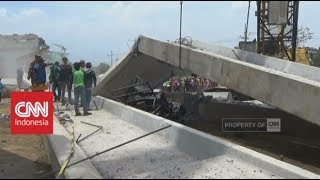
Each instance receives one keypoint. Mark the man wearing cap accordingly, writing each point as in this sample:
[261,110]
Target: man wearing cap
[65,80]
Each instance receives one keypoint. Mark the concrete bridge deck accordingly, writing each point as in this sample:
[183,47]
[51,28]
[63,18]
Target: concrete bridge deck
[289,86]
[177,152]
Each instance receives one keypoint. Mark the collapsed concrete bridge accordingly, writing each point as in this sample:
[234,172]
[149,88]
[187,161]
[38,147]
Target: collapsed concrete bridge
[289,86]
[180,151]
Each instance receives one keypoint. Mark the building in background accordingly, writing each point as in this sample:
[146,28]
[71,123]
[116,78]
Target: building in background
[18,51]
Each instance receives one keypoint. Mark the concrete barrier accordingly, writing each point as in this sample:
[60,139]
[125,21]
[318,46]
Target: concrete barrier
[201,146]
[58,146]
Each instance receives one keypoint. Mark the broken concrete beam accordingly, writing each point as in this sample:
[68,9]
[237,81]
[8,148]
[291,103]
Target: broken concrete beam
[306,71]
[125,70]
[289,86]
[292,93]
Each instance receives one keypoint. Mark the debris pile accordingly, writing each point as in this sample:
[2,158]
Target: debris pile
[63,118]
[141,95]
[4,117]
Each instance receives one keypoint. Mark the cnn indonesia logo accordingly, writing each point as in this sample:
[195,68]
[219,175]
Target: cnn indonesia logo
[32,113]
[34,110]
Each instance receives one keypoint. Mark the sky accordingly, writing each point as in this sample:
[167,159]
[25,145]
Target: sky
[91,30]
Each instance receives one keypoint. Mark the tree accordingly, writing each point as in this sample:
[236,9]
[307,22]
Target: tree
[314,55]
[102,68]
[304,35]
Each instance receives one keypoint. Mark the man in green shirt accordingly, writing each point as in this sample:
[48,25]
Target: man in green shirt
[79,90]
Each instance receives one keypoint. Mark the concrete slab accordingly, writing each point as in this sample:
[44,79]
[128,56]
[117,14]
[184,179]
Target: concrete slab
[224,167]
[127,68]
[289,86]
[308,72]
[219,95]
[177,152]
[285,89]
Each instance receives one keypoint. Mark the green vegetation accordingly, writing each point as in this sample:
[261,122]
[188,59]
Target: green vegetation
[101,68]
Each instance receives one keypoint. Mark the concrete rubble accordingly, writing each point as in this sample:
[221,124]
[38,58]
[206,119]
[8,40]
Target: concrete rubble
[4,117]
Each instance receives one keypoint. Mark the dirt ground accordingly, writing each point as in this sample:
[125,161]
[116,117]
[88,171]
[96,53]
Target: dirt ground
[21,156]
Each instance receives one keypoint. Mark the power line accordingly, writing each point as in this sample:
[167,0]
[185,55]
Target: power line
[111,55]
[114,55]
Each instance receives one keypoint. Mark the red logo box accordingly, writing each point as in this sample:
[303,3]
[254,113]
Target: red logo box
[31,113]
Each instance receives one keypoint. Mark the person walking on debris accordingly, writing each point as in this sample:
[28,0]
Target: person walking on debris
[65,80]
[79,90]
[90,78]
[1,88]
[19,77]
[54,79]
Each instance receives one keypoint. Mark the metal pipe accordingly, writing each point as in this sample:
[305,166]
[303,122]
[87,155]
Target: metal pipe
[94,102]
[91,124]
[128,86]
[145,90]
[299,143]
[78,141]
[151,89]
[107,150]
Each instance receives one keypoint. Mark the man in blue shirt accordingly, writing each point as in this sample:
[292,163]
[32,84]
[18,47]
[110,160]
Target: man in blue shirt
[1,87]
[37,71]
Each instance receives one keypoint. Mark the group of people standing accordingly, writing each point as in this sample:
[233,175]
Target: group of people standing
[63,77]
[188,84]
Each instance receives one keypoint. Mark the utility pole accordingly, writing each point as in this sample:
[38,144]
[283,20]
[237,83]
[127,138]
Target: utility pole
[180,34]
[246,28]
[111,56]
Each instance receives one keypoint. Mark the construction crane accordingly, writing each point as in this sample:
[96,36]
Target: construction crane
[277,30]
